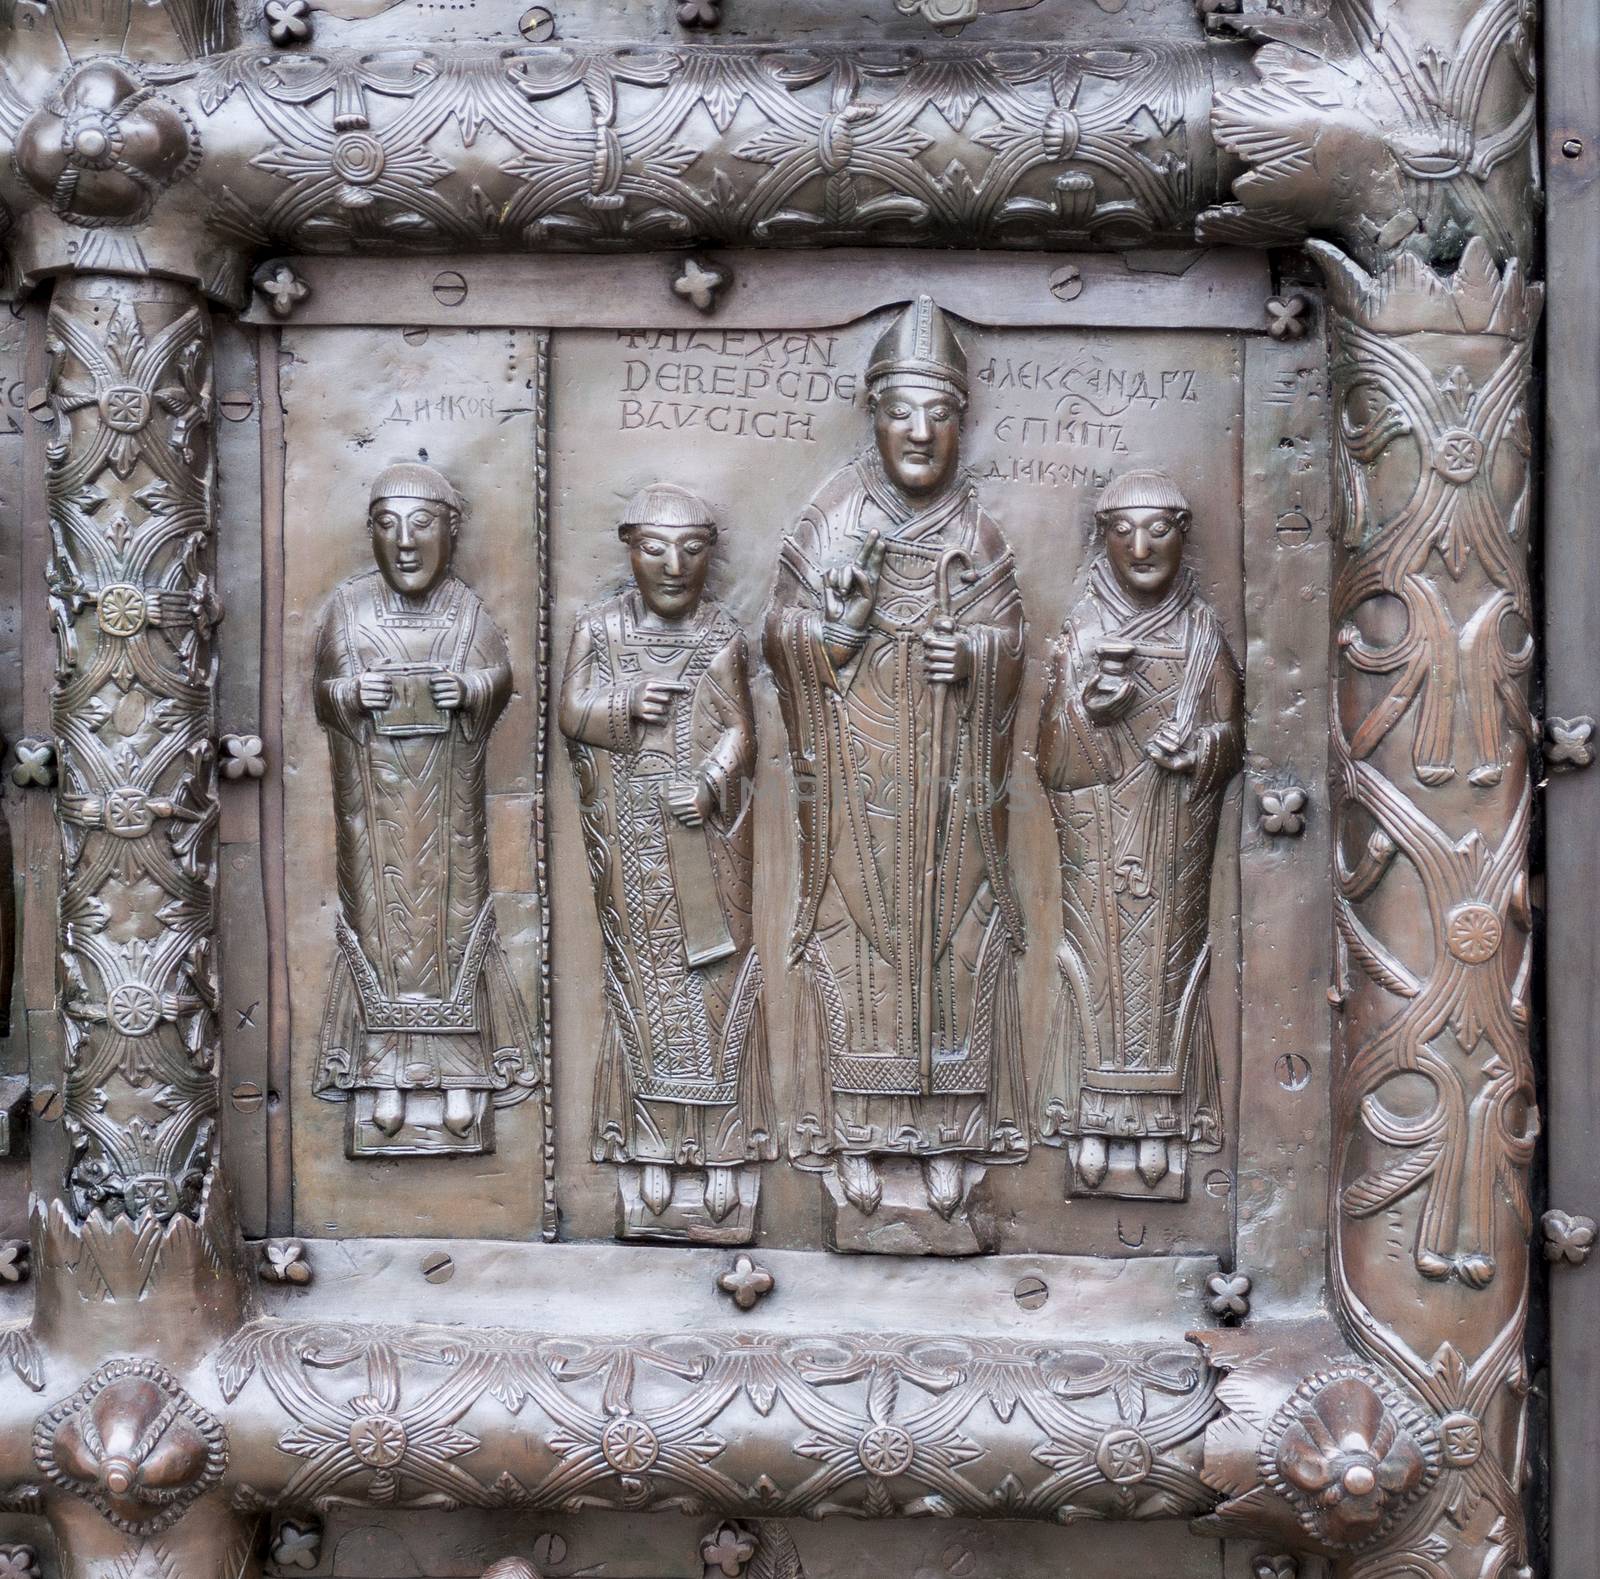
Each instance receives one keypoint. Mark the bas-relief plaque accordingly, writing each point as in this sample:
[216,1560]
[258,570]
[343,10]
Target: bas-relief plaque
[1140,735]
[655,705]
[425,1032]
[758,422]
[412,733]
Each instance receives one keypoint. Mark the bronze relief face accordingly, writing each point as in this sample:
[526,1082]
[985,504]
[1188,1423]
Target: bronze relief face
[1145,547]
[412,541]
[669,565]
[918,433]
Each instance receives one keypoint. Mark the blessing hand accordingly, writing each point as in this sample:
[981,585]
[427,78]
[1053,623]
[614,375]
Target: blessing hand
[850,591]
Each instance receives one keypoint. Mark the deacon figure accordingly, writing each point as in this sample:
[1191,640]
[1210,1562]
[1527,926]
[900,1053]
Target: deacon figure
[655,705]
[424,1027]
[1141,733]
[896,639]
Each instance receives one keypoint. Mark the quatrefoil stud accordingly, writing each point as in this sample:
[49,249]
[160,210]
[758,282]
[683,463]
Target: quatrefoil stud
[1288,317]
[1568,1237]
[285,1261]
[243,757]
[1283,811]
[727,1550]
[288,22]
[35,767]
[747,1283]
[699,13]
[1228,1294]
[699,283]
[1568,743]
[282,287]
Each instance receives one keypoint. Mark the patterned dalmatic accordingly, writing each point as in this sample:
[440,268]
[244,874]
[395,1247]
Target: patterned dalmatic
[421,1000]
[1131,1056]
[681,1079]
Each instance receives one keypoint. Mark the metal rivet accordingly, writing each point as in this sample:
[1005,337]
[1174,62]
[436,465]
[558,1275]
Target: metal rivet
[1294,527]
[1293,1071]
[1066,283]
[247,1096]
[47,1103]
[1572,148]
[549,1549]
[438,1267]
[1031,1292]
[449,288]
[538,24]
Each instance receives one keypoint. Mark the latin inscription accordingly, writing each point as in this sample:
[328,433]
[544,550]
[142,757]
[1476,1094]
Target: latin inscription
[742,383]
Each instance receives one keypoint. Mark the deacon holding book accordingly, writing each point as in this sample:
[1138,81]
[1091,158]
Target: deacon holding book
[425,1032]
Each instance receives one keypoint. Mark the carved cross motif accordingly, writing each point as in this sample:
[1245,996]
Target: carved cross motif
[699,283]
[283,289]
[747,1283]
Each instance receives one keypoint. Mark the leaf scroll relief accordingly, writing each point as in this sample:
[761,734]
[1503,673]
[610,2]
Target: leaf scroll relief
[878,1425]
[133,604]
[587,147]
[828,145]
[1434,1119]
[1441,129]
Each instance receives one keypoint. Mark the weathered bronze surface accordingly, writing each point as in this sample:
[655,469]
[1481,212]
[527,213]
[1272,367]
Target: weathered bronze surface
[655,705]
[1140,735]
[1015,1025]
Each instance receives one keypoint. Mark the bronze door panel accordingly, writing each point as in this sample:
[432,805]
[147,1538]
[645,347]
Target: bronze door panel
[774,790]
